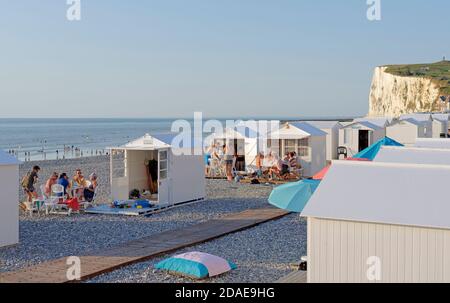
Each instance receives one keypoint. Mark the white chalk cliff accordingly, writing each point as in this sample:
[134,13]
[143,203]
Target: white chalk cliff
[392,95]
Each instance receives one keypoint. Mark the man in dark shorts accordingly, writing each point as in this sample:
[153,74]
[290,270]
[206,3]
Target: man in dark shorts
[30,182]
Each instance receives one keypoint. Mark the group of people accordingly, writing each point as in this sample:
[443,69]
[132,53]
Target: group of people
[220,154]
[270,165]
[278,167]
[77,186]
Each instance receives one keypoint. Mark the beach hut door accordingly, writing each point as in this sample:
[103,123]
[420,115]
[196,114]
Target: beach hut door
[163,177]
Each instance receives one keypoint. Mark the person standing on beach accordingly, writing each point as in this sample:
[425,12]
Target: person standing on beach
[29,183]
[228,159]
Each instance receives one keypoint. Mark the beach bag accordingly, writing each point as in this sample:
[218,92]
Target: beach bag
[135,194]
[255,181]
[25,180]
[73,204]
[142,204]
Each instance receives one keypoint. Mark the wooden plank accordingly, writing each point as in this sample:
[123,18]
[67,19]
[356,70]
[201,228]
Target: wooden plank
[102,261]
[295,277]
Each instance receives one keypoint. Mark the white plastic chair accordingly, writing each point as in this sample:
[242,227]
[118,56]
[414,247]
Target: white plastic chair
[49,202]
[57,194]
[57,191]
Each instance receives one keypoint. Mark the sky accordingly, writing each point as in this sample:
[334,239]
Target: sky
[225,58]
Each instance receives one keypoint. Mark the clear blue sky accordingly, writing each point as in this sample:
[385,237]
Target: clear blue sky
[168,58]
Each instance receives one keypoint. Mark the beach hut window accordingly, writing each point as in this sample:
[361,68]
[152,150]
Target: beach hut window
[347,135]
[290,146]
[163,164]
[303,149]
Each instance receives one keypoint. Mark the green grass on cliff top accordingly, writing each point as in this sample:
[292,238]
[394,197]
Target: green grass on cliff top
[439,72]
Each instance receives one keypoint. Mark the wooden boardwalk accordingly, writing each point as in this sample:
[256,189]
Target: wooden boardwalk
[295,277]
[100,262]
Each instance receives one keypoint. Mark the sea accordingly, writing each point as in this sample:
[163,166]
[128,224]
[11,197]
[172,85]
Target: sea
[49,139]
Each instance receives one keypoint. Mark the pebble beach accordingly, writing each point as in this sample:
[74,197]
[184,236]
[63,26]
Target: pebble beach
[263,253]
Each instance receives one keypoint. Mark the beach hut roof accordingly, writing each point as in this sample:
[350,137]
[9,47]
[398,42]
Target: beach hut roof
[325,124]
[422,117]
[441,117]
[297,130]
[366,124]
[386,193]
[378,121]
[308,128]
[156,141]
[393,154]
[413,121]
[149,142]
[7,159]
[433,143]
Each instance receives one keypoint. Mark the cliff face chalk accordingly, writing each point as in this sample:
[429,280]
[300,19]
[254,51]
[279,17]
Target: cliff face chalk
[393,95]
[403,89]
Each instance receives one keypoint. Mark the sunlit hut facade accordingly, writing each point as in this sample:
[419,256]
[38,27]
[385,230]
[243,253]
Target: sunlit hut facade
[307,141]
[357,136]
[379,222]
[179,169]
[9,214]
[407,131]
[332,129]
[433,127]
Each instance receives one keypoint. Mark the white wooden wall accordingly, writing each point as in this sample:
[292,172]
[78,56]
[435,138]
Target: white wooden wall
[338,252]
[187,178]
[403,132]
[9,212]
[318,155]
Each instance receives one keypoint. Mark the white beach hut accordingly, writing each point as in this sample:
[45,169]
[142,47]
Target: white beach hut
[357,136]
[443,120]
[180,169]
[9,212]
[407,131]
[379,222]
[413,155]
[433,143]
[332,129]
[247,139]
[432,127]
[309,142]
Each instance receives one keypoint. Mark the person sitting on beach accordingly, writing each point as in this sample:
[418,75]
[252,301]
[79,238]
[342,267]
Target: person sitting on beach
[64,181]
[89,191]
[78,184]
[50,182]
[274,162]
